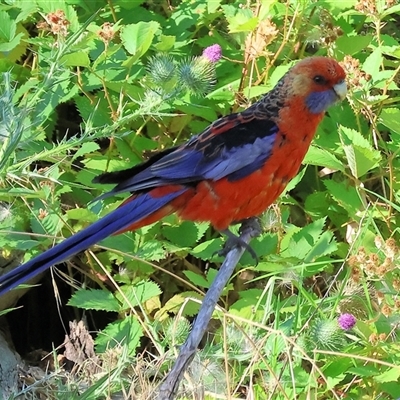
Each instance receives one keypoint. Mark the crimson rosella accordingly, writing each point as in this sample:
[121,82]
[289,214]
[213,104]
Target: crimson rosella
[233,170]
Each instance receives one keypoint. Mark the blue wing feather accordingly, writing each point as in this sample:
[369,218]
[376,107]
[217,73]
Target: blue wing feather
[119,219]
[232,147]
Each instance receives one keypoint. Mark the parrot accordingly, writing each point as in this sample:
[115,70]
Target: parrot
[232,171]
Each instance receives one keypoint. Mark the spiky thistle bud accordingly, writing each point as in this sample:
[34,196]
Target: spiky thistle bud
[176,330]
[326,335]
[196,75]
[356,298]
[161,69]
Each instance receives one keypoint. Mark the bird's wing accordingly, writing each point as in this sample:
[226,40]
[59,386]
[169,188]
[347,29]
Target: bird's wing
[232,147]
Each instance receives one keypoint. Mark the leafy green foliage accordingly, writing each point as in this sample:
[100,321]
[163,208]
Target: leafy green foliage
[89,87]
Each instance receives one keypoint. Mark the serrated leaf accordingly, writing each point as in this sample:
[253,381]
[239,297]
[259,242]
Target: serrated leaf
[103,164]
[152,250]
[166,43]
[345,195]
[298,247]
[363,370]
[94,299]
[86,148]
[293,183]
[314,229]
[76,59]
[7,47]
[137,38]
[95,110]
[44,219]
[325,245]
[263,245]
[81,214]
[310,242]
[361,156]
[197,279]
[184,235]
[213,5]
[323,158]
[352,44]
[245,306]
[175,305]
[361,160]
[391,10]
[390,117]
[207,250]
[390,375]
[51,224]
[138,293]
[8,27]
[373,62]
[126,332]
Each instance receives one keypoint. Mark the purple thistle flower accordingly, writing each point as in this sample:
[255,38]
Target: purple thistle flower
[347,321]
[213,53]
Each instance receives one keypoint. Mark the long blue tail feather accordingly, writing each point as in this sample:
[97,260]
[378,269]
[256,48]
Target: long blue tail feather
[119,219]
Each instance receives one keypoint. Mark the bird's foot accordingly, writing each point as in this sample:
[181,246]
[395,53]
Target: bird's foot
[251,226]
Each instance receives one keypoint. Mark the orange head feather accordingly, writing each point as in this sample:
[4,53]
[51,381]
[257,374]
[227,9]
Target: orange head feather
[320,81]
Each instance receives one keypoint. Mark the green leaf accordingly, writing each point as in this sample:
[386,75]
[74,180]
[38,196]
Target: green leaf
[323,246]
[361,156]
[373,62]
[264,245]
[390,117]
[184,235]
[239,20]
[245,306]
[196,279]
[8,27]
[166,43]
[180,303]
[77,59]
[152,250]
[86,148]
[137,38]
[323,158]
[345,195]
[102,163]
[120,333]
[390,375]
[213,5]
[363,370]
[207,250]
[390,10]
[138,293]
[293,183]
[94,299]
[7,47]
[352,44]
[82,215]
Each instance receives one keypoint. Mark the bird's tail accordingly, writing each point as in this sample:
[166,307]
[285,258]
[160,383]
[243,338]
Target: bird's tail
[128,214]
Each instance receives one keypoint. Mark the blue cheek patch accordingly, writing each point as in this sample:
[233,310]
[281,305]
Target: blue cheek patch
[318,102]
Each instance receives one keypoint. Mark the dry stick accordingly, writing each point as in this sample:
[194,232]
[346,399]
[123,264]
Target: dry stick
[249,229]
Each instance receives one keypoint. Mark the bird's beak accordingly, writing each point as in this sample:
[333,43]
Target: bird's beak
[340,89]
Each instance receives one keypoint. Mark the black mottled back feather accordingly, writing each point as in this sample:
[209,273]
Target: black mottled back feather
[234,130]
[119,176]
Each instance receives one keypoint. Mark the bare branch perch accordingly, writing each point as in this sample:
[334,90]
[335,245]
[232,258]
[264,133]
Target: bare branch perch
[250,228]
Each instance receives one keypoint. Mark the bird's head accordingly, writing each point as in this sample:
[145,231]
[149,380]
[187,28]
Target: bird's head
[318,80]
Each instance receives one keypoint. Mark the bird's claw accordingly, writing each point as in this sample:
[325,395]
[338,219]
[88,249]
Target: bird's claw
[234,242]
[250,225]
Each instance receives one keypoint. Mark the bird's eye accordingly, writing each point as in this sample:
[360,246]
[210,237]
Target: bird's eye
[320,80]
